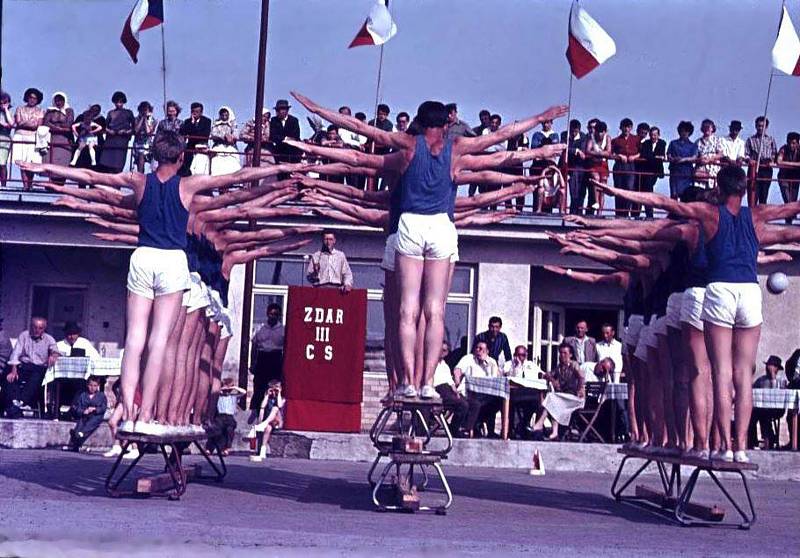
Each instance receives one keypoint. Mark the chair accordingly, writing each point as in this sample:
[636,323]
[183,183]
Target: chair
[586,417]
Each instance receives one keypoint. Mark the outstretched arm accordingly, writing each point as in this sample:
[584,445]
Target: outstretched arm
[464,145]
[396,140]
[375,217]
[492,198]
[126,228]
[207,203]
[102,209]
[695,210]
[243,256]
[347,156]
[341,168]
[766,213]
[619,278]
[473,218]
[602,255]
[777,234]
[111,197]
[508,158]
[195,184]
[775,257]
[118,237]
[349,192]
[131,180]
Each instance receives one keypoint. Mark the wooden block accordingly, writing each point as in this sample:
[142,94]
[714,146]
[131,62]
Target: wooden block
[651,495]
[162,482]
[707,513]
[407,496]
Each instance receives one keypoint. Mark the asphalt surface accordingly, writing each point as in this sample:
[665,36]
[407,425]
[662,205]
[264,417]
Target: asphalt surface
[53,504]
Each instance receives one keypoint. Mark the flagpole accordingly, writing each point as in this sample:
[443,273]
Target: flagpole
[569,108]
[249,269]
[163,69]
[372,183]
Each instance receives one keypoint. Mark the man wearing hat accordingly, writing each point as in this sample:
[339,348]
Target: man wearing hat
[284,125]
[75,345]
[733,145]
[766,417]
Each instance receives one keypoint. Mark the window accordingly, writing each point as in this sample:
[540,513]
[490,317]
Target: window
[548,332]
[59,305]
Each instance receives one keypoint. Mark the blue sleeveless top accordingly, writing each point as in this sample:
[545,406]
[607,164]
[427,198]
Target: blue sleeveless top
[733,251]
[395,198]
[162,217]
[698,264]
[191,252]
[427,187]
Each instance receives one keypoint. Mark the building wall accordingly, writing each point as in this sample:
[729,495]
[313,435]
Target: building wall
[503,290]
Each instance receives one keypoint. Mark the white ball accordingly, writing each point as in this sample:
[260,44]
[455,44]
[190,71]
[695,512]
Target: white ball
[777,282]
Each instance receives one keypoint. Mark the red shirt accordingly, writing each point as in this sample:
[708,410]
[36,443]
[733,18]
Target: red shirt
[621,145]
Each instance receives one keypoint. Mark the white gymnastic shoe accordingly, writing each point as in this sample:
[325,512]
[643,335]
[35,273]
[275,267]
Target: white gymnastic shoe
[257,458]
[726,456]
[429,392]
[399,391]
[115,450]
[741,457]
[126,426]
[151,428]
[410,392]
[132,453]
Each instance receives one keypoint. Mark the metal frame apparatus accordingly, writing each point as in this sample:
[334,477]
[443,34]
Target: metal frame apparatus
[411,423]
[677,500]
[173,464]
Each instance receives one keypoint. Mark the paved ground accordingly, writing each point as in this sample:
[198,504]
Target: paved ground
[53,504]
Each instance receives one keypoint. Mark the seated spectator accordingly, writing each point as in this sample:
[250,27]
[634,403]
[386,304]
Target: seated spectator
[524,403]
[496,341]
[446,388]
[73,345]
[89,408]
[551,194]
[272,408]
[609,347]
[567,395]
[483,407]
[765,417]
[5,348]
[225,421]
[583,347]
[34,352]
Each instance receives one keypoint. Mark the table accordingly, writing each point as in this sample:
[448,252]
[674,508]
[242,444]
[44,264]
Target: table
[78,368]
[786,399]
[498,387]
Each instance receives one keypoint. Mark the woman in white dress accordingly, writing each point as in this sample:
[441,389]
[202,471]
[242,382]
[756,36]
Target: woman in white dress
[568,392]
[225,156]
[27,118]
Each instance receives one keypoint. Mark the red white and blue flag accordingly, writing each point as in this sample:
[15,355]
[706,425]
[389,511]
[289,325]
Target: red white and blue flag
[377,29]
[146,14]
[589,44]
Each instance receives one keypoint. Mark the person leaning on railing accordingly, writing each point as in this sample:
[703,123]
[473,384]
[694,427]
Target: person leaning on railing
[6,125]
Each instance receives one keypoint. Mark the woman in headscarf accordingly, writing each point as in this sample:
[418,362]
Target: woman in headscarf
[27,118]
[119,129]
[6,125]
[225,158]
[59,118]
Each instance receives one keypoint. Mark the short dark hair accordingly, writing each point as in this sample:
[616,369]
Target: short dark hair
[167,147]
[731,181]
[93,378]
[567,346]
[592,122]
[763,119]
[484,112]
[327,231]
[605,325]
[708,122]
[119,97]
[480,343]
[601,127]
[642,126]
[5,97]
[403,115]
[273,306]
[196,105]
[574,123]
[792,136]
[431,114]
[384,108]
[496,320]
[687,126]
[173,104]
[333,128]
[344,107]
[496,117]
[451,107]
[691,194]
[656,128]
[144,105]
[625,122]
[360,116]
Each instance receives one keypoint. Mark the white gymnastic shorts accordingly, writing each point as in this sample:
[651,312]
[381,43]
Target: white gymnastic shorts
[155,272]
[692,307]
[630,336]
[674,303]
[733,305]
[197,296]
[431,237]
[390,250]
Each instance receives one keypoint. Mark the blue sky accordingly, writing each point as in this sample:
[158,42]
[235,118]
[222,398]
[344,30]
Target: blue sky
[676,59]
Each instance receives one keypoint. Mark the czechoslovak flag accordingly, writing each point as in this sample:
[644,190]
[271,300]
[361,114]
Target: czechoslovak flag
[786,52]
[589,44]
[144,15]
[377,29]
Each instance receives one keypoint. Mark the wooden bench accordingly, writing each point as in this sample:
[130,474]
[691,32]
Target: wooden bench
[172,483]
[677,498]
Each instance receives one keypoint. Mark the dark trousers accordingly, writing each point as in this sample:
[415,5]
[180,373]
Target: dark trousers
[28,385]
[761,184]
[85,427]
[577,191]
[225,430]
[624,179]
[453,401]
[482,410]
[523,405]
[269,366]
[763,418]
[647,183]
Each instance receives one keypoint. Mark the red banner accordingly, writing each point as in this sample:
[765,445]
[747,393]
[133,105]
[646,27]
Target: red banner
[323,364]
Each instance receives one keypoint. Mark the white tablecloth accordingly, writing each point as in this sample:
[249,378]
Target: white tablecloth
[80,368]
[786,399]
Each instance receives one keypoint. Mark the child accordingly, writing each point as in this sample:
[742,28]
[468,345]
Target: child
[272,408]
[226,409]
[89,408]
[86,130]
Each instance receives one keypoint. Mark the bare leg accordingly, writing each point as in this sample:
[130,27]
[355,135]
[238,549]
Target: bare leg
[391,306]
[655,399]
[165,312]
[745,347]
[641,401]
[220,348]
[667,378]
[204,370]
[719,342]
[137,318]
[680,393]
[409,281]
[181,366]
[419,351]
[628,365]
[435,286]
[170,365]
[192,373]
[699,375]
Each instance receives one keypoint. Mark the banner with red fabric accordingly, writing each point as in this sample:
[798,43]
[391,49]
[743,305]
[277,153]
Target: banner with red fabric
[323,366]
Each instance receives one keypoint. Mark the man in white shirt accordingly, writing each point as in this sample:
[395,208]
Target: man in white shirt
[519,366]
[524,402]
[267,358]
[482,406]
[75,345]
[446,388]
[609,347]
[351,139]
[733,145]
